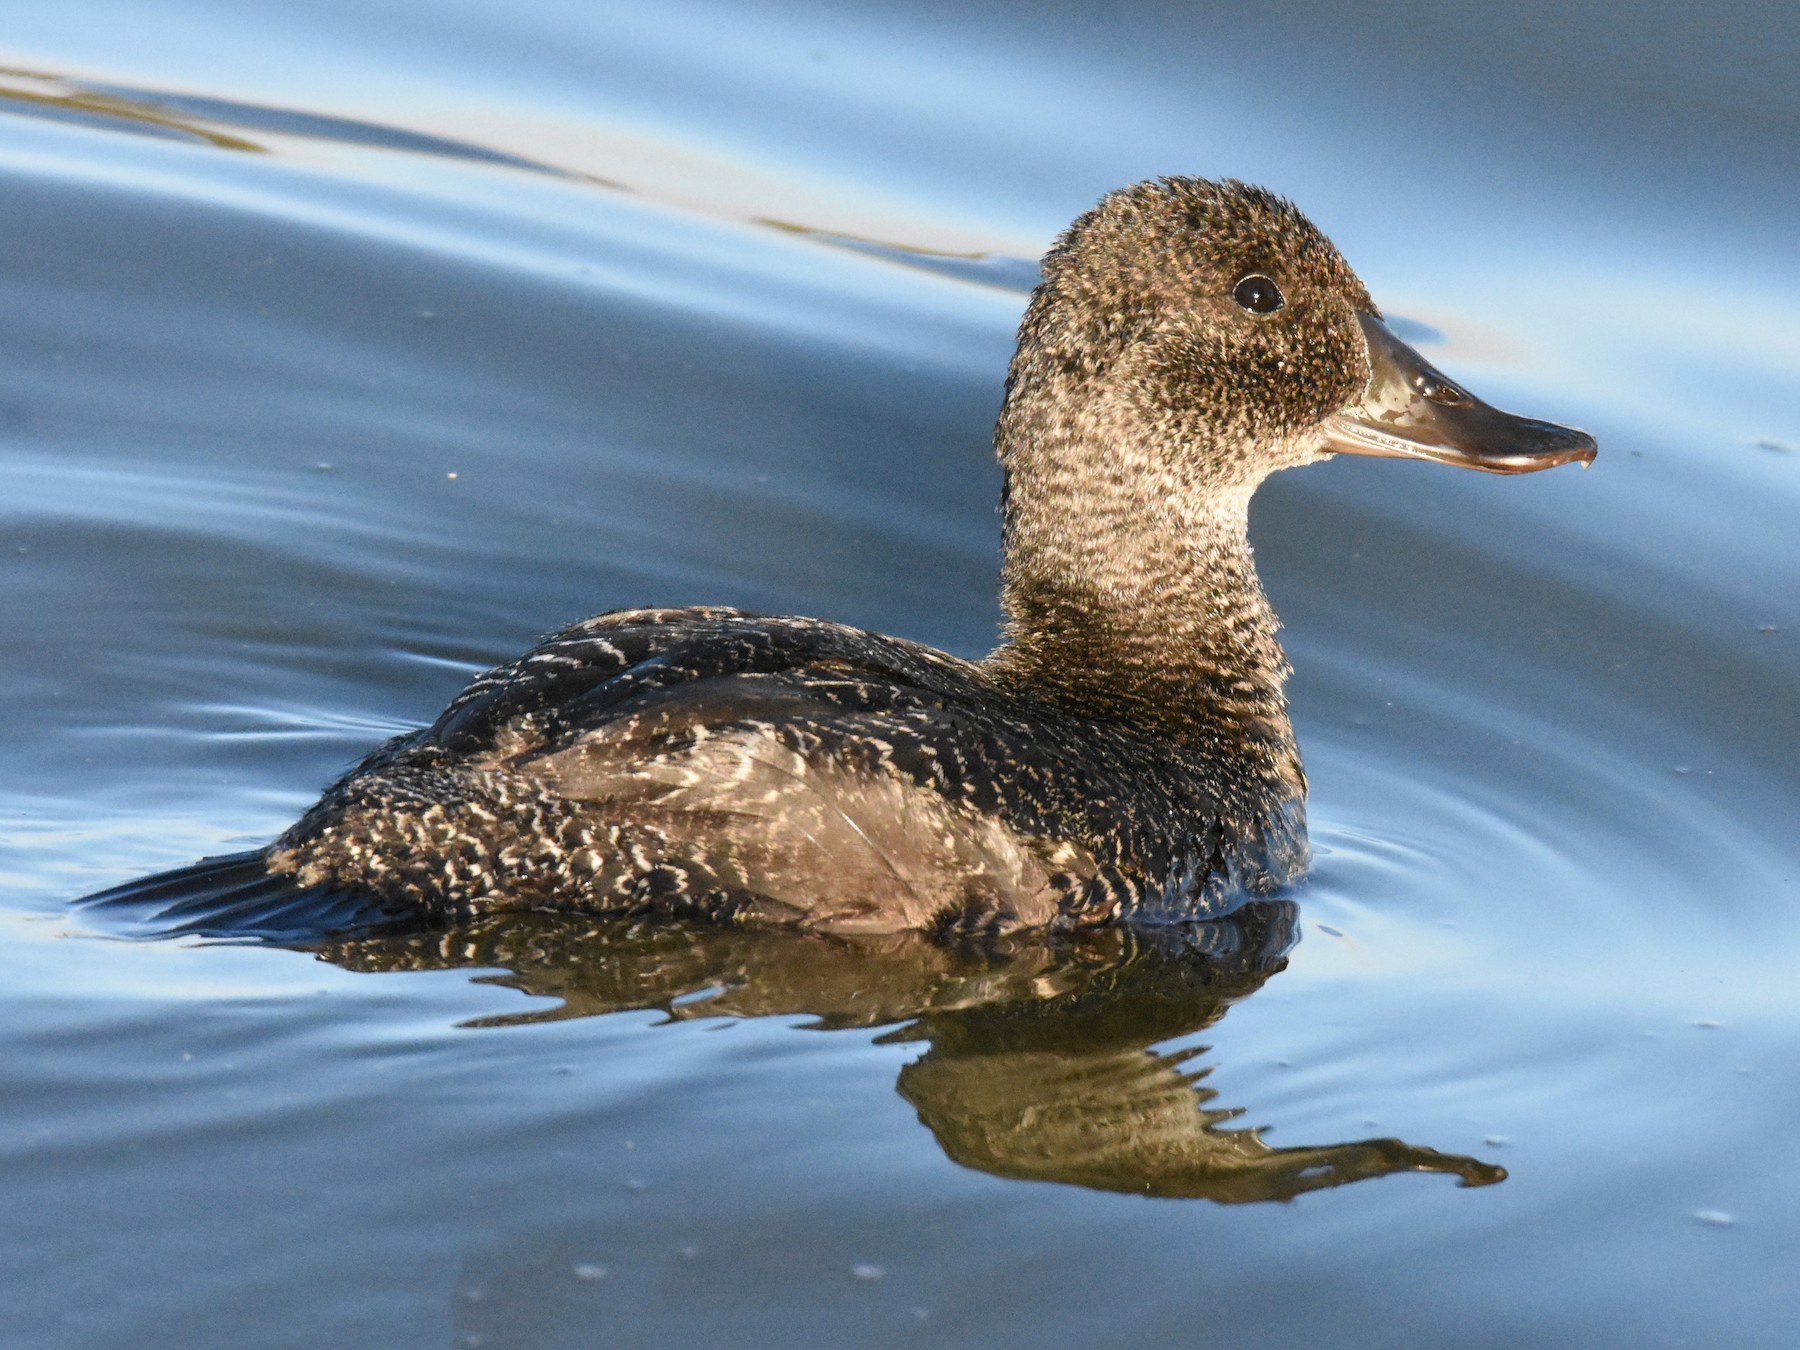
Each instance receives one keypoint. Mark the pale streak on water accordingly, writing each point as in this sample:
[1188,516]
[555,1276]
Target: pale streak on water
[678,297]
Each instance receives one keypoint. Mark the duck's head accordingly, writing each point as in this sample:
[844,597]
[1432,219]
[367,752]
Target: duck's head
[1215,329]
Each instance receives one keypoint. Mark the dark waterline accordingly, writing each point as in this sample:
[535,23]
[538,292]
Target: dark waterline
[344,349]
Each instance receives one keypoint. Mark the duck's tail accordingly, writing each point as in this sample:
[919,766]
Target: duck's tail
[236,896]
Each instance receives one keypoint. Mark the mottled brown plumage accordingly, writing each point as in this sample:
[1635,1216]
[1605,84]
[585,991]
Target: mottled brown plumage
[1124,753]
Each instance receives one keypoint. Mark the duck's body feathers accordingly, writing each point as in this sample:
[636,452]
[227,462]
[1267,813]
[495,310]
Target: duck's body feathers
[776,769]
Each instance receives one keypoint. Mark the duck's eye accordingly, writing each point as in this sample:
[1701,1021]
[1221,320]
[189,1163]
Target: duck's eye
[1258,294]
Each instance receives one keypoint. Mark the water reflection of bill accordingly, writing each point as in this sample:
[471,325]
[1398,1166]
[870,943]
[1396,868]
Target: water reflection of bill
[1040,1061]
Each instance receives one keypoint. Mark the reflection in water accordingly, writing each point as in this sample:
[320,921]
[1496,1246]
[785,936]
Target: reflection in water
[52,96]
[230,124]
[218,122]
[1040,1062]
[1018,275]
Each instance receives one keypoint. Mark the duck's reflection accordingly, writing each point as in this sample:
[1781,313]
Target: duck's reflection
[1040,1060]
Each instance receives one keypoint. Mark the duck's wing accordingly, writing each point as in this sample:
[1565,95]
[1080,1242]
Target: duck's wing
[831,776]
[588,673]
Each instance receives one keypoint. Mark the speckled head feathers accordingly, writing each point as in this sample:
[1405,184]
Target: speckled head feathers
[1139,308]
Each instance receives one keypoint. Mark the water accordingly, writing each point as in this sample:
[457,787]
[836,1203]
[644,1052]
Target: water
[345,348]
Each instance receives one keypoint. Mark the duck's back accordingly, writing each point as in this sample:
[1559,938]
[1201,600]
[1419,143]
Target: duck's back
[772,769]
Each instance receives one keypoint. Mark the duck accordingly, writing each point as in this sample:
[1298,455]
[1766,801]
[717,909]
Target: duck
[1125,753]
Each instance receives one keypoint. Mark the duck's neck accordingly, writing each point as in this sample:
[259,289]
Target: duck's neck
[1130,593]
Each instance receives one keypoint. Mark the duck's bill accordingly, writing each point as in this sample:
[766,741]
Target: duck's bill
[1412,411]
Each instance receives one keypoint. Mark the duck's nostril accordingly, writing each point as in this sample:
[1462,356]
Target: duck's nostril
[1444,394]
